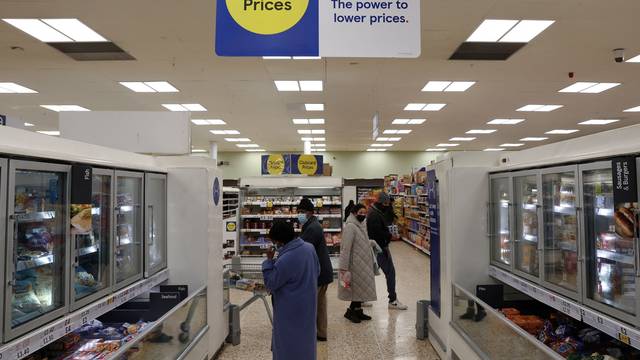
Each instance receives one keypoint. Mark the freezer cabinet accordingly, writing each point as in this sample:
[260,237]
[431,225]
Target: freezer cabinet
[128,215]
[500,218]
[155,223]
[38,251]
[527,228]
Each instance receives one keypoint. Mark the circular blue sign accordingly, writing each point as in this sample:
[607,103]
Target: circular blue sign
[216,191]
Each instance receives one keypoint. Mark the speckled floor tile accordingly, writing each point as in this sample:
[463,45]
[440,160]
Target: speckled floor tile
[389,336]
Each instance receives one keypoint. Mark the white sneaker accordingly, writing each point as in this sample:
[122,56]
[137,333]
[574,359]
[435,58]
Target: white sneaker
[367,304]
[397,305]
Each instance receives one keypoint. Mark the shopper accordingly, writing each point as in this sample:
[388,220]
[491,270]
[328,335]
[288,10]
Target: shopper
[312,233]
[357,265]
[347,210]
[292,280]
[378,229]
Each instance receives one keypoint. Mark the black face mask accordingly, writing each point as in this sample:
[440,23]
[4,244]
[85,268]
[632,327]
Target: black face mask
[361,218]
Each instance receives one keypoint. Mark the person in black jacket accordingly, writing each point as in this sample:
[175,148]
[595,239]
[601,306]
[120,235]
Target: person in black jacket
[378,229]
[312,233]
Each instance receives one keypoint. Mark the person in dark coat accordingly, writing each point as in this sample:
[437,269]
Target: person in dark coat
[312,233]
[347,210]
[292,279]
[378,229]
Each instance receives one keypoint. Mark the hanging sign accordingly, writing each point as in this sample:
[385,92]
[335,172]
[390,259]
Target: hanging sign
[292,164]
[624,180]
[276,164]
[327,28]
[81,181]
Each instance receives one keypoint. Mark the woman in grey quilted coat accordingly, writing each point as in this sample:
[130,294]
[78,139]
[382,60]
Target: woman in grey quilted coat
[357,276]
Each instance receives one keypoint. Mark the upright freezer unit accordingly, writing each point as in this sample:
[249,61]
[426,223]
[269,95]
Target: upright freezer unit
[92,239]
[128,245]
[155,228]
[527,227]
[500,216]
[37,256]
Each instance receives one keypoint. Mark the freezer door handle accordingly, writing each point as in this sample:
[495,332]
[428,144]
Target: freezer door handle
[152,226]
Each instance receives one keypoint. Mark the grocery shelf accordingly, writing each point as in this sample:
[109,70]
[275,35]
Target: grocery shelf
[286,203]
[34,263]
[88,250]
[420,248]
[287,216]
[34,216]
[624,332]
[35,340]
[266,231]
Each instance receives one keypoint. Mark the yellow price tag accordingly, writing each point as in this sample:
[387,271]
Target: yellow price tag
[624,338]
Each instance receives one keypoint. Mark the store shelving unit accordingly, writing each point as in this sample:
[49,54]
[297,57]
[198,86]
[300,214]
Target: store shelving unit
[230,215]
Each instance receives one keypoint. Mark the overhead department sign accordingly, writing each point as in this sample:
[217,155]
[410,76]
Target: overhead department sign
[328,28]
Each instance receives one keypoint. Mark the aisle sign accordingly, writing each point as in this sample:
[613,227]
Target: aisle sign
[328,28]
[276,164]
[292,164]
[624,180]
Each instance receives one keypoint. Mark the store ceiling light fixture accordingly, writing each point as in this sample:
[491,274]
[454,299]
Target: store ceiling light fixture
[511,145]
[57,30]
[50,133]
[397,131]
[244,146]
[59,108]
[185,107]
[13,88]
[462,139]
[435,149]
[599,122]
[202,122]
[408,121]
[27,124]
[237,139]
[314,107]
[588,87]
[493,149]
[481,131]
[381,145]
[448,86]
[302,85]
[308,121]
[198,151]
[446,145]
[509,31]
[633,109]
[311,131]
[150,86]
[424,107]
[562,131]
[313,139]
[393,139]
[225,132]
[540,108]
[534,138]
[505,121]
[376,150]
[255,150]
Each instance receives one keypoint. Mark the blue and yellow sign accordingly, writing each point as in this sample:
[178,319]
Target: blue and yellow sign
[292,164]
[276,164]
[267,28]
[306,164]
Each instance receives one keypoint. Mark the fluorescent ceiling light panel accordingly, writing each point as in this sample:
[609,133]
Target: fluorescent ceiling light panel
[633,109]
[310,132]
[588,87]
[534,138]
[540,108]
[599,122]
[433,107]
[435,149]
[388,139]
[28,124]
[300,121]
[462,139]
[381,145]
[511,145]
[376,150]
[394,131]
[50,133]
[448,86]
[137,86]
[578,87]
[505,121]
[38,30]
[400,121]
[459,86]
[175,107]
[198,151]
[287,85]
[436,86]
[491,30]
[561,131]
[13,88]
[635,59]
[225,132]
[414,107]
[597,89]
[194,107]
[248,145]
[255,150]
[447,145]
[208,122]
[59,108]
[526,30]
[75,29]
[494,149]
[417,121]
[237,139]
[318,145]
[313,139]
[185,107]
[481,131]
[161,86]
[314,107]
[311,85]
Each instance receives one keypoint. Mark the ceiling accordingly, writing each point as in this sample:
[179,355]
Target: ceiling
[174,41]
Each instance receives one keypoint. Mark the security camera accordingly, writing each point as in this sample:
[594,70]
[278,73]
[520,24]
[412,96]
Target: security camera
[618,55]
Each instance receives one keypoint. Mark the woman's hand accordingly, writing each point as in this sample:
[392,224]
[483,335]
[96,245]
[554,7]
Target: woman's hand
[271,253]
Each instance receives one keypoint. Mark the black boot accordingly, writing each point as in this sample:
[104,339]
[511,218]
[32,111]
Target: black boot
[360,313]
[480,315]
[352,315]
[470,314]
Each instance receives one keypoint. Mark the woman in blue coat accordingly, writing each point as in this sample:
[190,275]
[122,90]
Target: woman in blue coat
[293,282]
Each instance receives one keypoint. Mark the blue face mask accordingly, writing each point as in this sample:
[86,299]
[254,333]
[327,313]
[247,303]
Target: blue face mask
[302,218]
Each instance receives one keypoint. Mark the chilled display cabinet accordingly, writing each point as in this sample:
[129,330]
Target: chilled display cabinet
[92,239]
[527,208]
[155,228]
[37,255]
[500,221]
[129,244]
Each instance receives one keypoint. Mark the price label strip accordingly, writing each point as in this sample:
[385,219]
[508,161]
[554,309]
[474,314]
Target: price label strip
[625,333]
[21,348]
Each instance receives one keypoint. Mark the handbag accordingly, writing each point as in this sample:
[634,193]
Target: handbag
[375,250]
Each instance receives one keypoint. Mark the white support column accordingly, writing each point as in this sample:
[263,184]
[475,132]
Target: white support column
[213,150]
[307,147]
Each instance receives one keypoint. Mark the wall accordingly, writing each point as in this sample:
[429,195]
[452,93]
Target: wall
[347,164]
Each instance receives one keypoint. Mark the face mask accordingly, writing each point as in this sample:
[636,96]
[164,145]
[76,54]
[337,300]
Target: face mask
[302,218]
[361,218]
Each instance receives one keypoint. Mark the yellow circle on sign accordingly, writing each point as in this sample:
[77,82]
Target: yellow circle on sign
[275,164]
[307,164]
[231,226]
[267,17]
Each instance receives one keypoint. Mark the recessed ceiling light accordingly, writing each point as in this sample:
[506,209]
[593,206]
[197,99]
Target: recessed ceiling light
[509,30]
[534,138]
[561,131]
[511,145]
[248,145]
[376,150]
[381,145]
[505,121]
[237,139]
[198,151]
[59,108]
[28,124]
[481,131]
[493,149]
[588,87]
[448,86]
[408,121]
[447,145]
[208,122]
[433,107]
[400,121]
[414,107]
[635,59]
[436,149]
[394,131]
[318,150]
[313,139]
[314,107]
[50,133]
[388,139]
[311,132]
[185,107]
[540,108]
[303,85]
[491,30]
[598,122]
[526,30]
[255,150]
[283,85]
[462,139]
[57,30]
[313,85]
[225,132]
[318,145]
[149,86]
[75,29]
[417,121]
[194,107]
[13,88]
[633,109]
[308,121]
[38,30]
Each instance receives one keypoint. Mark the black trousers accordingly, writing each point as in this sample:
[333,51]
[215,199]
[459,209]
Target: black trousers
[355,305]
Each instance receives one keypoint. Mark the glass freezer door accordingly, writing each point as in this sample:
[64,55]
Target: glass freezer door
[560,230]
[526,204]
[156,223]
[500,208]
[128,237]
[610,230]
[36,246]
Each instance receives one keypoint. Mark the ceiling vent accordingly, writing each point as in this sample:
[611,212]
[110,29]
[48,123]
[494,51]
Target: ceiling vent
[486,51]
[92,51]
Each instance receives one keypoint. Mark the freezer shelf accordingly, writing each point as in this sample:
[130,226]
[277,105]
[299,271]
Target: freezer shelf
[35,262]
[35,216]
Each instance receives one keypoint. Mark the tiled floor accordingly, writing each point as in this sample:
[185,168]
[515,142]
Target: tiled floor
[390,335]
